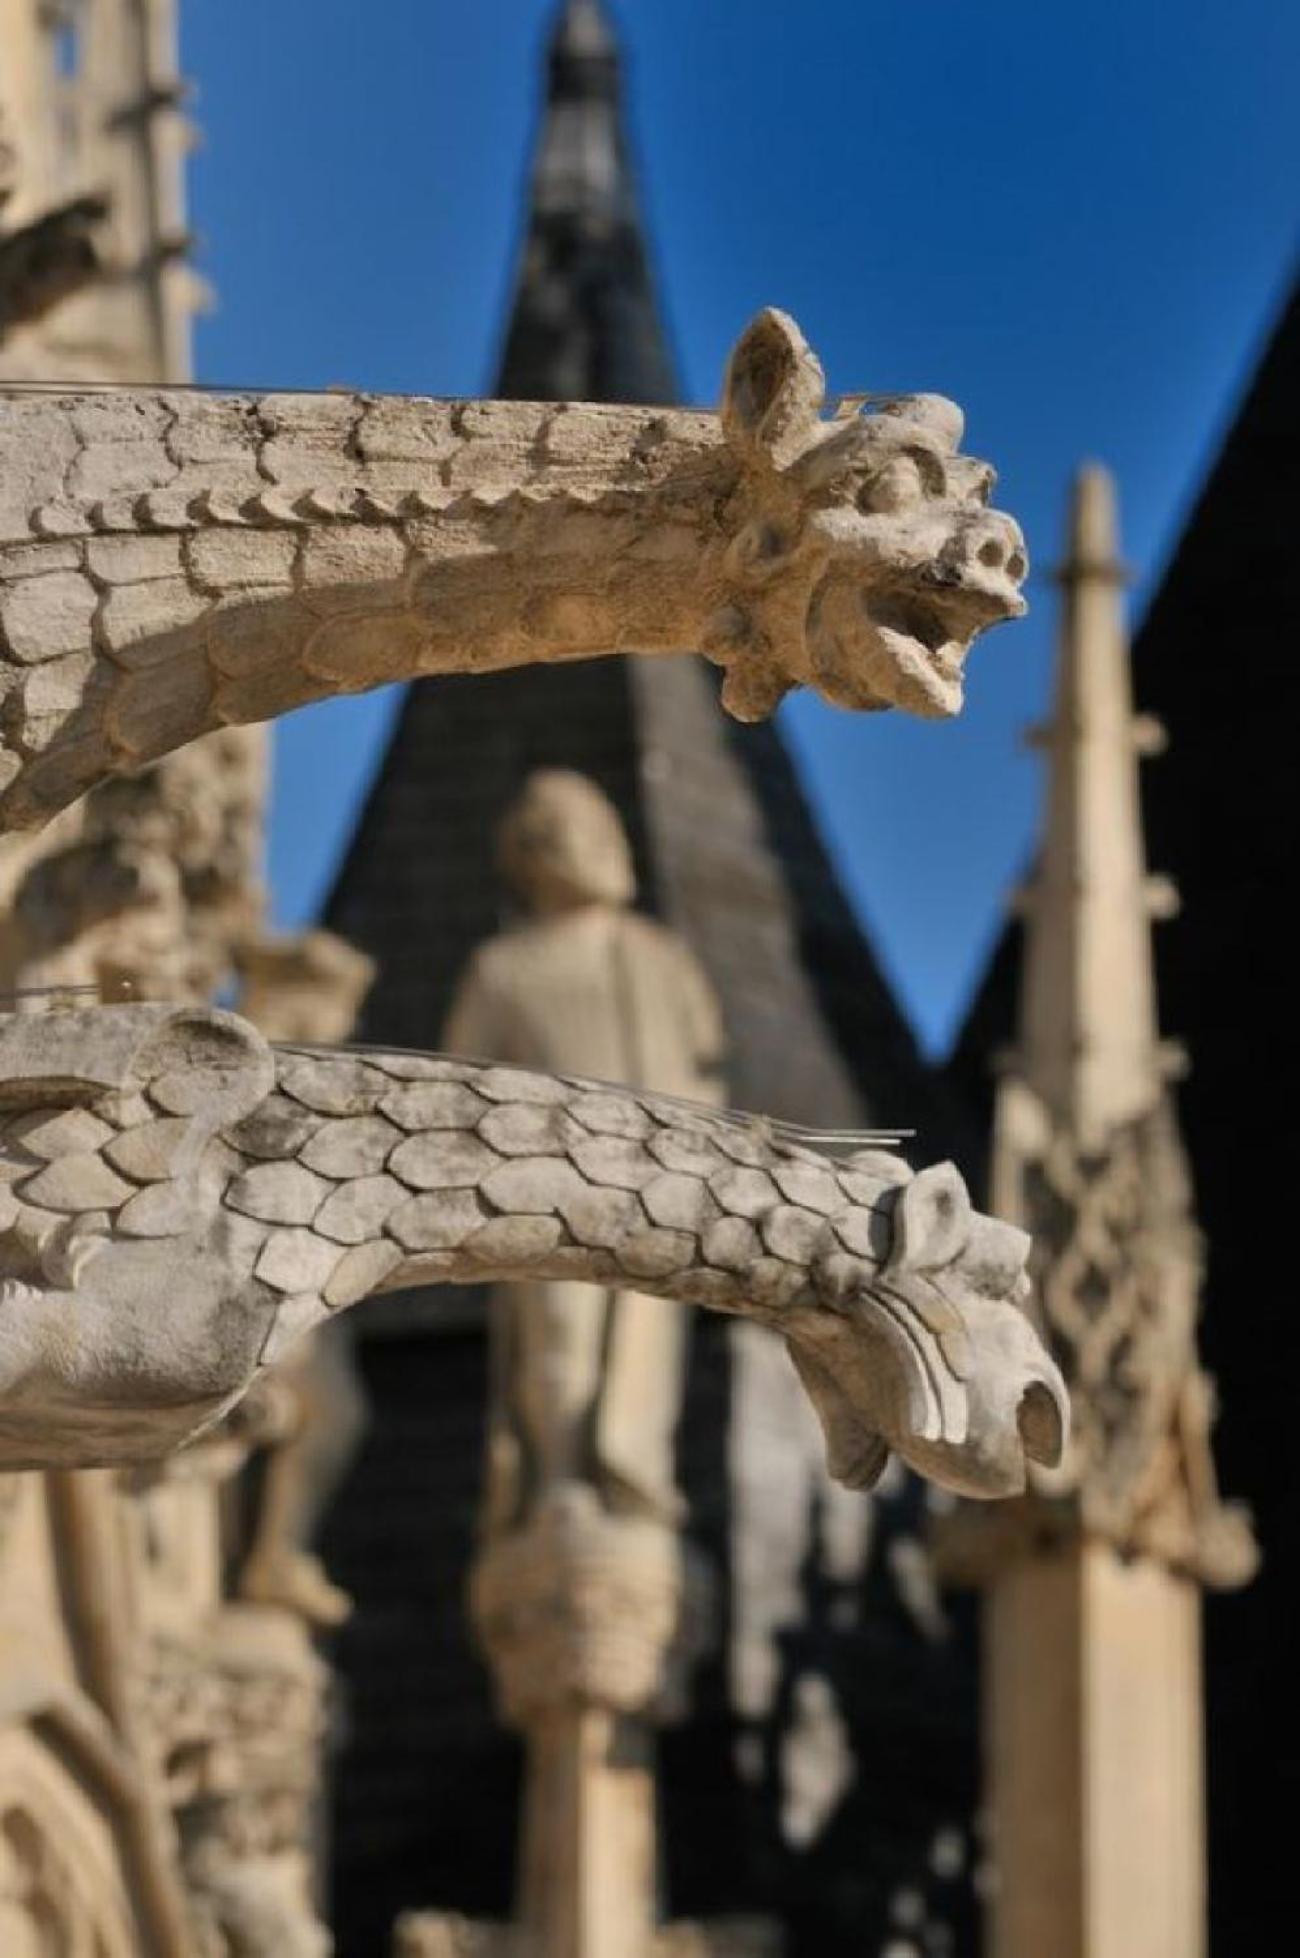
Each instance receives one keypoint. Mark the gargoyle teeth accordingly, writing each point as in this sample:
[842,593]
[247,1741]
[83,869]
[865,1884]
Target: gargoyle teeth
[927,623]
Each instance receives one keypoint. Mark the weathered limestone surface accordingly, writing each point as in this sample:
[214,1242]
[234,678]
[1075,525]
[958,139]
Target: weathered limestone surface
[235,1711]
[138,1308]
[171,562]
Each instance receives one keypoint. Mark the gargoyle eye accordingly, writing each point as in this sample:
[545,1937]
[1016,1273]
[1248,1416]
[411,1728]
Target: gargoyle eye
[898,485]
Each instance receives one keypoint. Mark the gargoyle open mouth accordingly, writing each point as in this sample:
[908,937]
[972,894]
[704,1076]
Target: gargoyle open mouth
[942,633]
[874,649]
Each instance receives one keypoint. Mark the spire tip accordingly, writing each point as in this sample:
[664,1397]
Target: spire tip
[1094,523]
[583,29]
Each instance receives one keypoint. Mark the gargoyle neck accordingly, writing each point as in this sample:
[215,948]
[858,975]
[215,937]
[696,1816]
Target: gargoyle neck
[320,547]
[556,574]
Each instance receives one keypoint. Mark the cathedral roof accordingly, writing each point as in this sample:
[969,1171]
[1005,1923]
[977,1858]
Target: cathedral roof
[586,324]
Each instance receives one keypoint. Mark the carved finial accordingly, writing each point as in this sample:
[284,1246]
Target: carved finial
[1088,1011]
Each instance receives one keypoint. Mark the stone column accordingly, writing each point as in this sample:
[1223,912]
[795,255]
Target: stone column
[1092,1716]
[582,1618]
[1092,1685]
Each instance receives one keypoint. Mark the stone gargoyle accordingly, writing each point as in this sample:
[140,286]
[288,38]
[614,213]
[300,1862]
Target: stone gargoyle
[179,1200]
[172,561]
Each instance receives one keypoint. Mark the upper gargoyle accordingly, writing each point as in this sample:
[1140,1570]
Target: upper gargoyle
[178,1200]
[174,560]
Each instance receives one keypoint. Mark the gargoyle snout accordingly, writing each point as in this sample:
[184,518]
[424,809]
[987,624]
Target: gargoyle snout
[989,557]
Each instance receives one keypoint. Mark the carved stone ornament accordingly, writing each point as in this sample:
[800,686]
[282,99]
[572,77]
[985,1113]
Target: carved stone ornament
[1116,1271]
[235,1714]
[172,561]
[48,258]
[45,261]
[181,1201]
[582,1608]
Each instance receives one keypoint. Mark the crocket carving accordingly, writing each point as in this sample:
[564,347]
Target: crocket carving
[178,1200]
[174,561]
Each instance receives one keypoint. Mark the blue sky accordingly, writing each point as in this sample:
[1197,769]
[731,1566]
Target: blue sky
[1077,220]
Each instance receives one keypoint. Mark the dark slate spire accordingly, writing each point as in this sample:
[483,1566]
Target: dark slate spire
[586,324]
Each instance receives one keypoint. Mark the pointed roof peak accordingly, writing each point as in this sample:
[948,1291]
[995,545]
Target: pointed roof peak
[583,31]
[586,324]
[1092,529]
[581,171]
[1094,519]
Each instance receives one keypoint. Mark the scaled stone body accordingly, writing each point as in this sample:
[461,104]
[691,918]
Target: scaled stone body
[173,562]
[308,1414]
[128,1325]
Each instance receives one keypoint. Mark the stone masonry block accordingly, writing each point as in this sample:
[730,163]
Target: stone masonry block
[222,560]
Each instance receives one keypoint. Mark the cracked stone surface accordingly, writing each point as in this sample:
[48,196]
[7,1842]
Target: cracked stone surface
[172,562]
[178,1200]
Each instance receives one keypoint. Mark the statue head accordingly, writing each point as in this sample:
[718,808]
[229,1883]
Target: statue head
[864,558]
[562,845]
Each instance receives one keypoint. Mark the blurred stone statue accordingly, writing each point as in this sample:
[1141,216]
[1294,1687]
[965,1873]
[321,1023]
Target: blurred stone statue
[143,891]
[309,1414]
[587,1382]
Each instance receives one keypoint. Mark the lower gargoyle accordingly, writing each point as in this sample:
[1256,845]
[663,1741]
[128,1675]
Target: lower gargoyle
[179,1200]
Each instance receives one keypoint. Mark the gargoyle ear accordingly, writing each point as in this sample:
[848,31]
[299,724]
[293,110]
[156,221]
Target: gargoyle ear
[774,389]
[932,1220]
